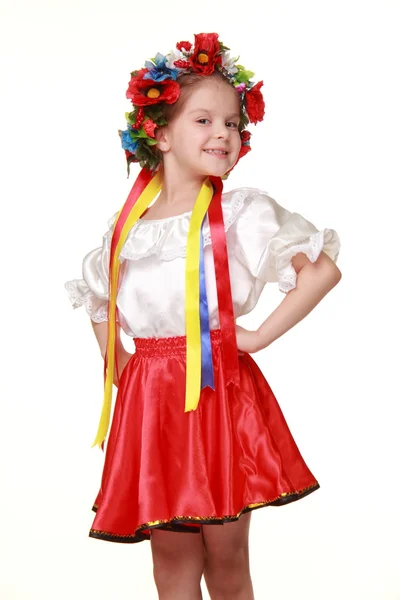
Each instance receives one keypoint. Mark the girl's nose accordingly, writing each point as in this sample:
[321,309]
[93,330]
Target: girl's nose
[221,134]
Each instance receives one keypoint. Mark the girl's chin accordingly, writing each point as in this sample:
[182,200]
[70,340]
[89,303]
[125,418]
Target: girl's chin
[218,171]
[213,170]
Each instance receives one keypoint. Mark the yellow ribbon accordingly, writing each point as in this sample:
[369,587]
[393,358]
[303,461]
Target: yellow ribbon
[192,298]
[148,194]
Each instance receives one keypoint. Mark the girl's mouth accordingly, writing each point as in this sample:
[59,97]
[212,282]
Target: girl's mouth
[219,153]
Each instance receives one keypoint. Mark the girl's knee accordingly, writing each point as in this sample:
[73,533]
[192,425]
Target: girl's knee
[227,549]
[229,561]
[178,561]
[227,573]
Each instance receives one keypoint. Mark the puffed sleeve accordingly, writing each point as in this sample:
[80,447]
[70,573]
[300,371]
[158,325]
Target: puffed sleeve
[92,290]
[269,235]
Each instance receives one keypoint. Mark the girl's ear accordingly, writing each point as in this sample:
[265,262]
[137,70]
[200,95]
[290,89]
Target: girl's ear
[161,137]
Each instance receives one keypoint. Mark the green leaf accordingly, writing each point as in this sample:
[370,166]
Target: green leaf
[148,156]
[130,160]
[244,76]
[130,118]
[141,133]
[154,112]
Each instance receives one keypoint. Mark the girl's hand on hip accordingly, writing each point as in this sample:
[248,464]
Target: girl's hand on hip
[247,341]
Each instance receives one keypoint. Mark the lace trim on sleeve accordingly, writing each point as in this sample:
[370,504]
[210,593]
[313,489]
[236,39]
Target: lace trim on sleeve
[80,295]
[326,240]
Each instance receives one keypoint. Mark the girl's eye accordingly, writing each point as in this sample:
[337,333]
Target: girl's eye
[230,124]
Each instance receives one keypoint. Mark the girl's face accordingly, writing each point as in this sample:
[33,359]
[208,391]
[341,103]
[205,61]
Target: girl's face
[203,138]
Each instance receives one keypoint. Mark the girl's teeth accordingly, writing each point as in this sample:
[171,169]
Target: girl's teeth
[216,152]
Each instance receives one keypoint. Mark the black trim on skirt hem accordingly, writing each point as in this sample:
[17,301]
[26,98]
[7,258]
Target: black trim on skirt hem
[189,525]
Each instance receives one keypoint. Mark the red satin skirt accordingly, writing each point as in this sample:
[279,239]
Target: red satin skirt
[172,470]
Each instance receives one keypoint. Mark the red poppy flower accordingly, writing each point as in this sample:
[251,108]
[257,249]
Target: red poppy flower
[143,92]
[244,149]
[184,46]
[205,55]
[245,136]
[149,126]
[255,105]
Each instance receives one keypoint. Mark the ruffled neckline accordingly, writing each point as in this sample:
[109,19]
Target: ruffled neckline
[165,219]
[167,238]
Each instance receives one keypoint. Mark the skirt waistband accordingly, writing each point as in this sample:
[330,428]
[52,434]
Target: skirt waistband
[169,346]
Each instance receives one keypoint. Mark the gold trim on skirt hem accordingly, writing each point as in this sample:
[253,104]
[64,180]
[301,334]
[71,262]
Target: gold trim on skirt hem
[176,523]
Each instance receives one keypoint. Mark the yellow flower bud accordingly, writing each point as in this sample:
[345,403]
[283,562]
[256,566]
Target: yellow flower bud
[153,93]
[202,58]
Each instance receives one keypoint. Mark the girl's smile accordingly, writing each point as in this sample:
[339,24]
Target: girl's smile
[217,152]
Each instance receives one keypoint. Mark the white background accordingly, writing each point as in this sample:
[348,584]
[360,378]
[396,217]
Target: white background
[328,149]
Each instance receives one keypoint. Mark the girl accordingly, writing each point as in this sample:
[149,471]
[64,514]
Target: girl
[197,438]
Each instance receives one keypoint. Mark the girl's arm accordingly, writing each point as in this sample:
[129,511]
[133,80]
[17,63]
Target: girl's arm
[101,332]
[314,281]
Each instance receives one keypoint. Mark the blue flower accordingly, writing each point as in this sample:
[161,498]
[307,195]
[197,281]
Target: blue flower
[127,142]
[158,70]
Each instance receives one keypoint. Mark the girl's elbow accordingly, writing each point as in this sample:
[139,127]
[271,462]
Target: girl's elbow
[335,274]
[329,267]
[324,271]
[323,264]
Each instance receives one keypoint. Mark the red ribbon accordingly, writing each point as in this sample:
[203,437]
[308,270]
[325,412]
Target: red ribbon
[141,182]
[139,185]
[224,292]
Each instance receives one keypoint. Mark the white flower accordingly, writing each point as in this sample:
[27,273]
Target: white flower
[228,63]
[174,55]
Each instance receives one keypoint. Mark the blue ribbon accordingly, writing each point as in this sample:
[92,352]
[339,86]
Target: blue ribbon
[207,369]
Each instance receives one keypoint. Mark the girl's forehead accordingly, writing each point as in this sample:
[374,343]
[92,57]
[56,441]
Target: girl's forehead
[213,97]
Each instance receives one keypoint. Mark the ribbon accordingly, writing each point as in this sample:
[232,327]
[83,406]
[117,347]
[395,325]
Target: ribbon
[224,293]
[139,185]
[192,298]
[207,371]
[199,367]
[144,190]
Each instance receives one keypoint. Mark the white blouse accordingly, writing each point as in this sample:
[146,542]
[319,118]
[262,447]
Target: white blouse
[261,236]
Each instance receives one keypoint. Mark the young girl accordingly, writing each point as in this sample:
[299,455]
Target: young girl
[198,439]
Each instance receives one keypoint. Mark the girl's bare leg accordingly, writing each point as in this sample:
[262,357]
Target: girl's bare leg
[178,562]
[227,565]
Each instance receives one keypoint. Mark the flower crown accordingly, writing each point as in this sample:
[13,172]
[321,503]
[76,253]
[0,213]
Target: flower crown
[157,84]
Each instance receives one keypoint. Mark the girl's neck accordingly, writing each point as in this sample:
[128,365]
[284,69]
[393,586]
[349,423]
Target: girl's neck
[179,191]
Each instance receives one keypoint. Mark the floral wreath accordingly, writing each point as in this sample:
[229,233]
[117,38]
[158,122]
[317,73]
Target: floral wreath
[157,84]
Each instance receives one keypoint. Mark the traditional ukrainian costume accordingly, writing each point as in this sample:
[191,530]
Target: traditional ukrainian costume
[197,435]
[173,469]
